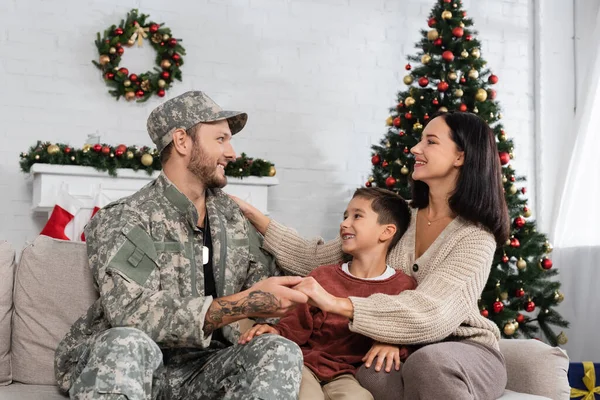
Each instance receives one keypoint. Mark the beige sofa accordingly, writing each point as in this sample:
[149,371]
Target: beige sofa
[51,287]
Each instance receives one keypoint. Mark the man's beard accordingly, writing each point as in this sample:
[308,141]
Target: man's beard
[204,169]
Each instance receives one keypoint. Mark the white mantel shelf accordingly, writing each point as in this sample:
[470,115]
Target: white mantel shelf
[83,183]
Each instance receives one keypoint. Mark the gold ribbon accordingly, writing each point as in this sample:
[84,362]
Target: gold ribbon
[589,380]
[139,34]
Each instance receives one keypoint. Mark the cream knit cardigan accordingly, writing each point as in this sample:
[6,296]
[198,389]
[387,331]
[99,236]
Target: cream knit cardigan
[451,275]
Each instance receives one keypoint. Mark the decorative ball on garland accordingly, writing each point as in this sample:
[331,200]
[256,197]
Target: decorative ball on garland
[458,32]
[498,306]
[519,222]
[53,149]
[408,79]
[425,59]
[433,34]
[493,79]
[442,86]
[481,95]
[529,306]
[504,157]
[390,181]
[509,329]
[404,170]
[135,28]
[448,56]
[423,81]
[546,263]
[521,264]
[446,14]
[485,313]
[375,160]
[409,101]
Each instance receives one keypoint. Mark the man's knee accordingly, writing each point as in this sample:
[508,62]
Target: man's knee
[271,349]
[130,343]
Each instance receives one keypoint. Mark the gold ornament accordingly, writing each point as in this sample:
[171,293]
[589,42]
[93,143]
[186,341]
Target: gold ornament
[464,54]
[433,34]
[481,95]
[87,146]
[389,121]
[129,95]
[499,115]
[502,137]
[447,14]
[126,83]
[458,93]
[145,85]
[371,179]
[521,264]
[53,149]
[507,243]
[129,154]
[475,53]
[504,295]
[527,213]
[462,24]
[562,338]
[104,59]
[425,59]
[512,189]
[559,297]
[417,126]
[388,144]
[408,79]
[166,37]
[509,329]
[272,171]
[504,179]
[452,76]
[548,247]
[112,50]
[165,64]
[161,83]
[473,74]
[404,170]
[511,155]
[398,162]
[147,160]
[409,101]
[155,38]
[442,109]
[475,110]
[516,325]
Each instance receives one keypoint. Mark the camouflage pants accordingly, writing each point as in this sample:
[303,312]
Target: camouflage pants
[124,363]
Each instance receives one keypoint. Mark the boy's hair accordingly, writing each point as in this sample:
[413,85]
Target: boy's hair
[390,208]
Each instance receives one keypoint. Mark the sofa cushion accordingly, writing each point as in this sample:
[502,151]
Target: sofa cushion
[53,287]
[536,368]
[18,391]
[7,273]
[510,395]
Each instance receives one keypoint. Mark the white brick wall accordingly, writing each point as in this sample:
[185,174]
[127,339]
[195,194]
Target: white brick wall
[316,77]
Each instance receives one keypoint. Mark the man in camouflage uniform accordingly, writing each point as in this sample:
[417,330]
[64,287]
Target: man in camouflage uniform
[176,265]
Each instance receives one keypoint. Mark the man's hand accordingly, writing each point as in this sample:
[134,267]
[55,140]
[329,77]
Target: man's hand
[256,330]
[318,296]
[272,297]
[388,353]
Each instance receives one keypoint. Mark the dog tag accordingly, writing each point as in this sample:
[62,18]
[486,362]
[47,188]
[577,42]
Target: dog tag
[205,255]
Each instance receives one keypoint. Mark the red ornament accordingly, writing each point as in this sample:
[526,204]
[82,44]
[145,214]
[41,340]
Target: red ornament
[529,306]
[493,79]
[406,150]
[408,67]
[523,190]
[468,38]
[423,81]
[442,86]
[458,32]
[447,1]
[492,94]
[505,259]
[519,222]
[67,150]
[448,56]
[160,93]
[368,184]
[153,28]
[464,14]
[498,306]
[512,178]
[426,117]
[120,50]
[514,242]
[97,147]
[133,78]
[390,181]
[107,41]
[435,102]
[119,152]
[462,107]
[139,93]
[162,43]
[109,75]
[396,122]
[118,31]
[520,293]
[463,79]
[121,148]
[520,318]
[437,42]
[504,157]
[124,71]
[172,42]
[401,133]
[105,150]
[401,105]
[431,22]
[525,210]
[176,57]
[375,159]
[408,115]
[546,263]
[384,164]
[165,75]
[485,313]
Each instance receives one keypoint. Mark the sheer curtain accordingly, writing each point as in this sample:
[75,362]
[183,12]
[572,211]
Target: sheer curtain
[576,222]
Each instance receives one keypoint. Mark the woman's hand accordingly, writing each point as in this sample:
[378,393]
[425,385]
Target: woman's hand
[257,218]
[256,330]
[321,298]
[388,353]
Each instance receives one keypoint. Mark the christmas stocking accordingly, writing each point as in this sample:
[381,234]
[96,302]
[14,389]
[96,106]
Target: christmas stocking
[100,201]
[62,216]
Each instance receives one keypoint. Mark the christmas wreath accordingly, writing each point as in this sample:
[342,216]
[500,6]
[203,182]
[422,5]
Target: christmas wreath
[108,158]
[130,31]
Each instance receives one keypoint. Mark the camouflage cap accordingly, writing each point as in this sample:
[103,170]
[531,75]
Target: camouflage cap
[185,111]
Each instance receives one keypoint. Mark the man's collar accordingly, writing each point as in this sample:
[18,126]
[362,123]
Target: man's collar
[183,204]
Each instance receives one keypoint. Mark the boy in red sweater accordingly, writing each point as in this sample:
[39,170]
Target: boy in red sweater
[374,222]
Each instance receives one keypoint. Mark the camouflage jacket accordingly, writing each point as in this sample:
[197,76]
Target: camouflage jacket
[145,252]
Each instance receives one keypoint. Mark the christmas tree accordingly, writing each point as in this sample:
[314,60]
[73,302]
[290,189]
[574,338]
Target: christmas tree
[448,73]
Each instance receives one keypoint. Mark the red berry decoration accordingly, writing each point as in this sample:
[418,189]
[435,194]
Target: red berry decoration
[408,67]
[447,1]
[492,94]
[448,56]
[546,263]
[426,117]
[139,93]
[172,42]
[523,190]
[485,313]
[519,222]
[458,32]
[396,122]
[105,150]
[442,86]
[435,102]
[401,133]
[408,115]
[124,71]
[160,93]
[462,107]
[437,42]
[97,147]
[133,78]
[463,79]
[505,259]
[118,31]
[498,306]
[67,150]
[390,181]
[109,75]
[368,184]
[504,157]
[520,293]
[119,153]
[468,38]
[120,50]
[431,22]
[520,318]
[493,79]
[423,81]
[529,306]
[514,242]
[153,28]
[406,150]
[401,105]
[376,159]
[176,57]
[384,164]
[165,75]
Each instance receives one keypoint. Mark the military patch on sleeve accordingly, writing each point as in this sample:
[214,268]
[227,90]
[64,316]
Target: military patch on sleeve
[136,258]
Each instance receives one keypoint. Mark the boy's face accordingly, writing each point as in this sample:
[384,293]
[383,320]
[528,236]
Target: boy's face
[360,230]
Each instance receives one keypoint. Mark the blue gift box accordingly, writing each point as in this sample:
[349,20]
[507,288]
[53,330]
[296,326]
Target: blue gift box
[584,378]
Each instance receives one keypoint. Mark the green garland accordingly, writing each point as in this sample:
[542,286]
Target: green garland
[108,158]
[130,31]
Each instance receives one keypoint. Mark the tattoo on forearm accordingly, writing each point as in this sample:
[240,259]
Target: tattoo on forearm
[256,302]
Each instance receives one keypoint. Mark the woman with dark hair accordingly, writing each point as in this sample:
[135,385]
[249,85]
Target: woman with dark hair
[459,216]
